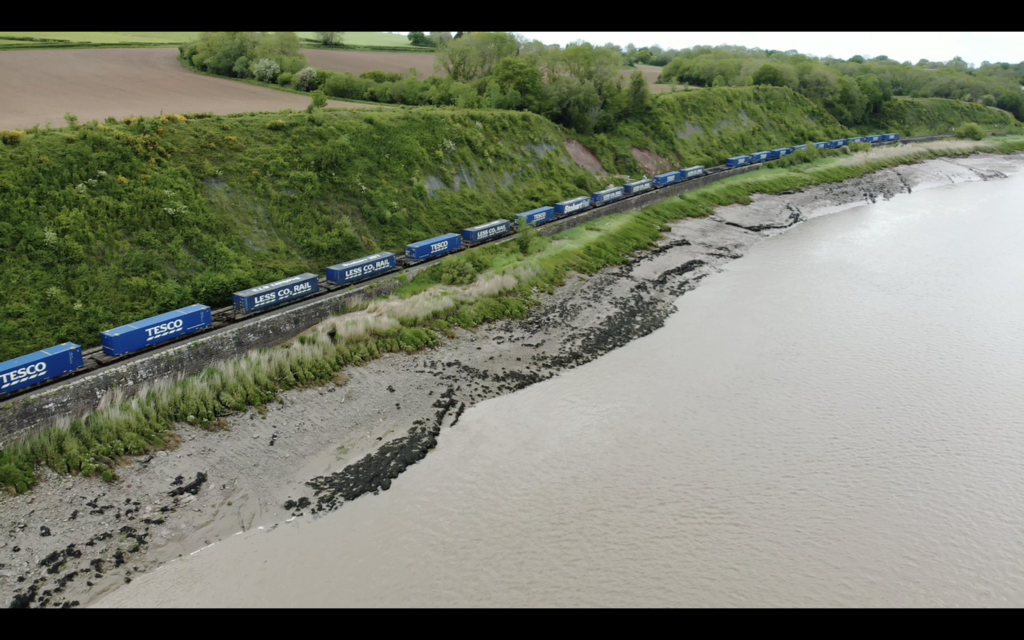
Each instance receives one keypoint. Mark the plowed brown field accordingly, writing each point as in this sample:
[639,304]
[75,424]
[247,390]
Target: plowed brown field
[356,62]
[37,87]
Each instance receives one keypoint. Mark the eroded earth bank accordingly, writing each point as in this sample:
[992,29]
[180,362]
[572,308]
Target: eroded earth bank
[71,539]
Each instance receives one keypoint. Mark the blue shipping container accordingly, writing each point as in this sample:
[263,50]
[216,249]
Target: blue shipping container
[822,145]
[489,231]
[799,147]
[434,247]
[841,142]
[638,187]
[738,161]
[609,195]
[665,179]
[889,137]
[36,368]
[759,156]
[858,140]
[268,296]
[692,172]
[570,207]
[785,151]
[156,330]
[874,139]
[536,217]
[361,269]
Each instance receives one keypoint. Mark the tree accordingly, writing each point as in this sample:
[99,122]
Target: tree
[719,81]
[419,39]
[522,76]
[329,38]
[770,75]
[319,100]
[266,70]
[638,96]
[440,38]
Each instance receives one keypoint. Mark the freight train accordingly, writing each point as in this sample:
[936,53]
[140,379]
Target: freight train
[66,359]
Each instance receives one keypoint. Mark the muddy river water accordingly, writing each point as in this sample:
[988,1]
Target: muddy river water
[836,419]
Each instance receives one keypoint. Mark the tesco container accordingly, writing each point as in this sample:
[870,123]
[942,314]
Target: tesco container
[822,145]
[759,156]
[485,232]
[608,195]
[570,207]
[692,172]
[738,161]
[665,179]
[156,330]
[268,296]
[859,140]
[434,247]
[37,368]
[781,153]
[799,147]
[874,139]
[639,186]
[841,142]
[890,137]
[361,269]
[536,217]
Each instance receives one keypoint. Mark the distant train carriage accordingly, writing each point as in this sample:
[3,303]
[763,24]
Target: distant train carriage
[783,152]
[890,137]
[738,161]
[570,207]
[639,186]
[759,156]
[361,269]
[39,367]
[608,195]
[841,142]
[433,248]
[665,179]
[535,217]
[274,294]
[159,329]
[874,139]
[485,232]
[859,140]
[799,147]
[822,145]
[692,172]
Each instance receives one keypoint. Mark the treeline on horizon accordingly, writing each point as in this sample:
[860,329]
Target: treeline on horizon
[581,86]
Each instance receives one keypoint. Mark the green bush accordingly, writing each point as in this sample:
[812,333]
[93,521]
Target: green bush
[970,131]
[11,138]
[284,79]
[276,125]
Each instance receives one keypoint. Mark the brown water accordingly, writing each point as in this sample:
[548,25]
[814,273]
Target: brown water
[837,419]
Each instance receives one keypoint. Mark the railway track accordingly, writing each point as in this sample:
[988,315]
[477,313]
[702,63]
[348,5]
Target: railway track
[94,360]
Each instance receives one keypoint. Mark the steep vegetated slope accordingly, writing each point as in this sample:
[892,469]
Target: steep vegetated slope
[705,127]
[104,224]
[929,116]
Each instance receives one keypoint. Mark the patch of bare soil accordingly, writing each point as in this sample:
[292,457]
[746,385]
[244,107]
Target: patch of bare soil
[357,62]
[652,163]
[39,87]
[583,157]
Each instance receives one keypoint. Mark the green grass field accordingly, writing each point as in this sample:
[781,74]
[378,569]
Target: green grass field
[365,39]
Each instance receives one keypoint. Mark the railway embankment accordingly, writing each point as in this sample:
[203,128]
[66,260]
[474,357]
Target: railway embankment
[76,397]
[262,469]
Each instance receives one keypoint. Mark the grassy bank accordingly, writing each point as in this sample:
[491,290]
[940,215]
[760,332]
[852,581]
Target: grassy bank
[462,291]
[934,116]
[105,223]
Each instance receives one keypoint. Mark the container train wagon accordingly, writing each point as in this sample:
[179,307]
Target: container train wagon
[67,359]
